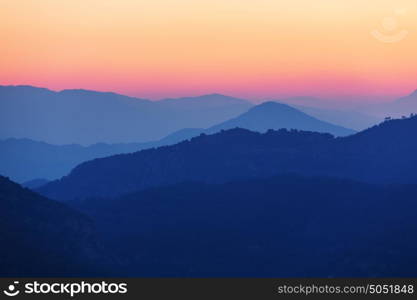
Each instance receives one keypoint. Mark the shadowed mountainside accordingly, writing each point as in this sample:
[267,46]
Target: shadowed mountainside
[272,115]
[23,159]
[261,118]
[287,226]
[383,153]
[41,237]
[88,117]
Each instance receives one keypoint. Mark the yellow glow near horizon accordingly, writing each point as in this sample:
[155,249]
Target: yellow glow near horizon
[248,48]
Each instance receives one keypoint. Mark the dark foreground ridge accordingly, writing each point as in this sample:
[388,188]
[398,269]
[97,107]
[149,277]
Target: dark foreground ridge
[286,226]
[41,237]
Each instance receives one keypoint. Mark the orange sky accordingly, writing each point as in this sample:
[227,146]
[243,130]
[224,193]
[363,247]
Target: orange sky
[256,49]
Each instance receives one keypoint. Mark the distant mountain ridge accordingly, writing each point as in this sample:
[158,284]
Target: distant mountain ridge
[263,117]
[384,154]
[25,160]
[213,100]
[87,117]
[284,226]
[356,120]
[411,97]
[401,107]
[357,115]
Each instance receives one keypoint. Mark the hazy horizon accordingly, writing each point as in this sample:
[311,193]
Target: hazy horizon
[268,49]
[255,100]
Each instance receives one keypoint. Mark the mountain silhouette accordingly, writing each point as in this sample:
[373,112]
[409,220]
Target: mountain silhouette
[345,104]
[210,100]
[24,160]
[88,117]
[406,105]
[383,153]
[285,226]
[41,237]
[261,118]
[412,98]
[272,115]
[307,101]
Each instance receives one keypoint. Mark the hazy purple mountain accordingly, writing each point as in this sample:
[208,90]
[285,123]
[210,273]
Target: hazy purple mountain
[261,118]
[24,160]
[347,118]
[272,115]
[354,114]
[88,117]
[409,100]
[401,107]
[383,153]
[406,105]
[210,100]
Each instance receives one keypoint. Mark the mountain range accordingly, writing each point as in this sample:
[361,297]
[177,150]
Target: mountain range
[383,154]
[272,115]
[354,114]
[88,117]
[25,160]
[266,116]
[236,203]
[41,237]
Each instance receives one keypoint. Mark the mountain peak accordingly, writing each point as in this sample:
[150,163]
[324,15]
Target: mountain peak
[274,115]
[409,99]
[266,106]
[215,95]
[272,109]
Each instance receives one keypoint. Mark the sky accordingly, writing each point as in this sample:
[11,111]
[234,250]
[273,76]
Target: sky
[345,49]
